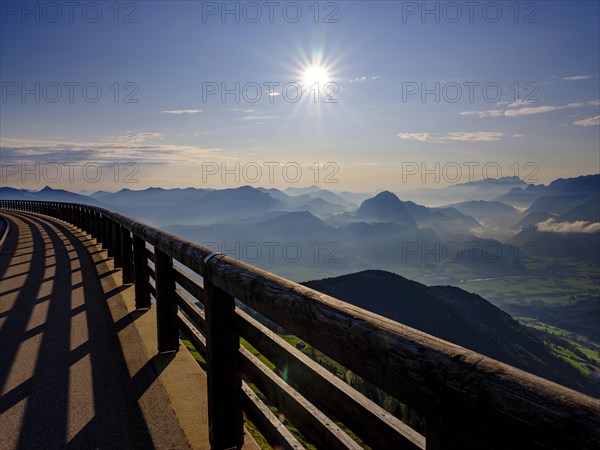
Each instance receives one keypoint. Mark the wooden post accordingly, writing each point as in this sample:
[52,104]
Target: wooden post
[225,420]
[84,226]
[98,227]
[126,256]
[108,229]
[166,308]
[116,244]
[84,220]
[87,229]
[80,219]
[91,224]
[141,277]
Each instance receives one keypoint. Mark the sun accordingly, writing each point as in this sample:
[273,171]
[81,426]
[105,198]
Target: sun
[315,74]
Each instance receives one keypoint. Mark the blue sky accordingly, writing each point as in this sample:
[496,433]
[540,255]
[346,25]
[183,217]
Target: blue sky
[548,61]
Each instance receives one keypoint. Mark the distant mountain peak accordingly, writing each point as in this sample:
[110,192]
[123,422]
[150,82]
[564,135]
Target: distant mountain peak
[386,195]
[386,206]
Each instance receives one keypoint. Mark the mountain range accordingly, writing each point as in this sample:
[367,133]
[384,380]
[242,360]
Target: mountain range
[484,189]
[562,218]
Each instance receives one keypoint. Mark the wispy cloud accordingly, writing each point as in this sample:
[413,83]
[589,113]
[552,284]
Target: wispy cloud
[519,103]
[130,148]
[516,103]
[578,77]
[479,136]
[533,110]
[137,138]
[488,113]
[421,137]
[364,78]
[589,122]
[179,112]
[253,115]
[516,112]
[579,226]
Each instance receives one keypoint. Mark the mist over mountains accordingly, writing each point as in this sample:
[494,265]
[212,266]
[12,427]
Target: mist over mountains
[485,189]
[487,229]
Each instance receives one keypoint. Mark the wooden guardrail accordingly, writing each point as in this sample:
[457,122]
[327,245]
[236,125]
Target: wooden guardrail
[467,400]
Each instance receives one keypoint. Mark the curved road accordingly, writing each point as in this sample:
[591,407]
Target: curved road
[73,372]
